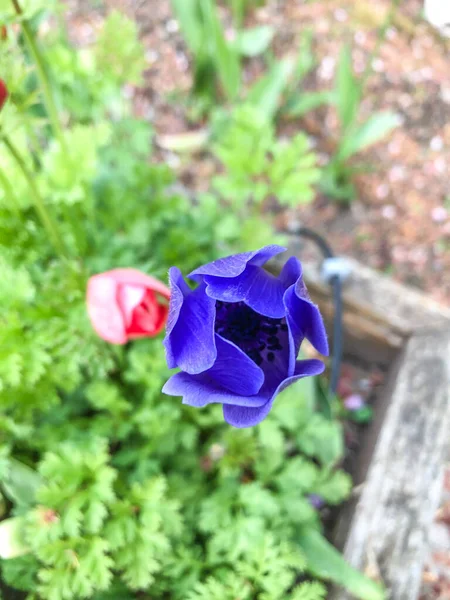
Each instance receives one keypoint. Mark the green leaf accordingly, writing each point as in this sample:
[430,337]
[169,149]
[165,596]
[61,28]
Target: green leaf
[309,590]
[21,483]
[267,92]
[336,181]
[363,415]
[333,487]
[295,405]
[189,18]
[348,90]
[308,101]
[123,62]
[11,544]
[20,572]
[323,439]
[374,129]
[324,561]
[255,40]
[222,53]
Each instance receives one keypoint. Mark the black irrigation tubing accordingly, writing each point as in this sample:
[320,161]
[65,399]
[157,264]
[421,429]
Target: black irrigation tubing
[336,286]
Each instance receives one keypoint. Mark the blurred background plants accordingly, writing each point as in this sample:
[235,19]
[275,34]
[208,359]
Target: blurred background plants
[93,460]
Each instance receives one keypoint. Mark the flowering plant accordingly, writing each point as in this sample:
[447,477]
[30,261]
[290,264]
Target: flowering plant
[237,335]
[125,304]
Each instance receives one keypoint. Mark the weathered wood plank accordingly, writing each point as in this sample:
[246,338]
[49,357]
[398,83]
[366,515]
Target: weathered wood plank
[380,299]
[401,493]
[383,530]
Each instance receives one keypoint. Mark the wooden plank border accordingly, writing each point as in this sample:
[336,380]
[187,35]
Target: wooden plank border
[387,533]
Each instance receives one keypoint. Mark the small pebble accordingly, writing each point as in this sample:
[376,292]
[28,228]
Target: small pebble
[326,69]
[427,73]
[340,15]
[439,214]
[378,65]
[394,147]
[445,94]
[389,212]
[172,26]
[382,190]
[391,33]
[440,165]
[151,56]
[217,451]
[397,173]
[436,143]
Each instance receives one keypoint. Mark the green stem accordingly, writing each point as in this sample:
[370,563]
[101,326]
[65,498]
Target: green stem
[44,80]
[9,192]
[38,200]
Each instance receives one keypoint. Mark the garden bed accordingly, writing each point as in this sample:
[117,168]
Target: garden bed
[385,528]
[400,221]
[94,459]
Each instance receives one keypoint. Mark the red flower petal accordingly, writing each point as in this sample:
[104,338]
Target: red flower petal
[3,93]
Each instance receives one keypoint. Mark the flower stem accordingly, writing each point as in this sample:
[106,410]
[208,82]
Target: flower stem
[9,192]
[38,200]
[43,78]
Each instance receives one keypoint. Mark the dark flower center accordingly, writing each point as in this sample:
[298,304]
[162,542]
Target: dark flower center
[258,336]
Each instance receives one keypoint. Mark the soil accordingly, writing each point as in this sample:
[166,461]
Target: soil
[400,222]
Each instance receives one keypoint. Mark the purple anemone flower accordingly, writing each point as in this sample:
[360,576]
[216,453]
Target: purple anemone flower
[236,336]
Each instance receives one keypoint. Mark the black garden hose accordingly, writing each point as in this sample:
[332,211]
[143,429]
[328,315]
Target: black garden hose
[335,282]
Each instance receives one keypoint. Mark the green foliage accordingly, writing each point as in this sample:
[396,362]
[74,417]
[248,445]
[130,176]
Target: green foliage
[216,61]
[254,40]
[326,562]
[123,62]
[310,590]
[20,573]
[259,166]
[354,137]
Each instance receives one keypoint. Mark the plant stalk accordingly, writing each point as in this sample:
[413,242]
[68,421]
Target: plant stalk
[39,204]
[9,192]
[43,77]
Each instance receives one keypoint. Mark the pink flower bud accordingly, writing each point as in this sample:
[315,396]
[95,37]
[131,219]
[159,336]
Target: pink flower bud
[125,304]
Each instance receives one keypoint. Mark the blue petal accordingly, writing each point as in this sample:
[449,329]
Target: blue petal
[259,289]
[232,266]
[304,321]
[234,371]
[189,341]
[244,416]
[200,390]
[248,416]
[291,272]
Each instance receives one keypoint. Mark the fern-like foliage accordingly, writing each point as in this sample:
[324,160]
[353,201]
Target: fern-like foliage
[259,166]
[122,492]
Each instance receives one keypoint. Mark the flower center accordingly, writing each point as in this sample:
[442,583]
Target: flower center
[258,336]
